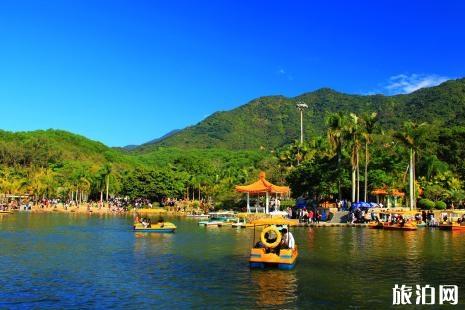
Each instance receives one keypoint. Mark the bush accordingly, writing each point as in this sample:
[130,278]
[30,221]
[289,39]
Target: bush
[426,204]
[440,205]
[287,203]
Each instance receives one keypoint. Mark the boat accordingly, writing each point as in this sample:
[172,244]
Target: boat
[396,226]
[198,216]
[386,223]
[161,227]
[452,226]
[242,224]
[220,219]
[454,221]
[376,225]
[5,211]
[241,221]
[267,253]
[211,223]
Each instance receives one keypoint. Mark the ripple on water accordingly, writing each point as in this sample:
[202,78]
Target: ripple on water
[65,261]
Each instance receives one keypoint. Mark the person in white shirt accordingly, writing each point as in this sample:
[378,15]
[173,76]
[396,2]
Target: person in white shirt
[287,240]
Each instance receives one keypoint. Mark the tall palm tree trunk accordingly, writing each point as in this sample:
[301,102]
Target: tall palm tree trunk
[358,175]
[339,176]
[411,181]
[107,185]
[365,192]
[353,183]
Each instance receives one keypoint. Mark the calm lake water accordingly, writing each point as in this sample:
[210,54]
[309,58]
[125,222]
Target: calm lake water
[78,261]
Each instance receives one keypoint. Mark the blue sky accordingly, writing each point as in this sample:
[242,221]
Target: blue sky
[125,72]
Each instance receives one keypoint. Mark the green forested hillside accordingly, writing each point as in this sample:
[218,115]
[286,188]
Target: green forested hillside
[344,134]
[42,147]
[55,163]
[274,121]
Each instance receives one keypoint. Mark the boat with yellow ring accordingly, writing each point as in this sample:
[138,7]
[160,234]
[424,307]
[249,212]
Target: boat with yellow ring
[6,212]
[268,251]
[161,227]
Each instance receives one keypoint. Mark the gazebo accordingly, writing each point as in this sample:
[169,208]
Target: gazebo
[388,193]
[262,186]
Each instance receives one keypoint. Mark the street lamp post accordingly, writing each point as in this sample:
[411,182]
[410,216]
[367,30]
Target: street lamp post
[301,107]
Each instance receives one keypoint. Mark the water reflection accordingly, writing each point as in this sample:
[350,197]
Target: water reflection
[274,287]
[70,259]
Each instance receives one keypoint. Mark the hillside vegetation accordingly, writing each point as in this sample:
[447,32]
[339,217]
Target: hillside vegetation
[274,121]
[343,133]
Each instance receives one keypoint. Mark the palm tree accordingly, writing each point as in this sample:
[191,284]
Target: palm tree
[295,153]
[335,132]
[41,182]
[107,170]
[353,131]
[411,136]
[369,121]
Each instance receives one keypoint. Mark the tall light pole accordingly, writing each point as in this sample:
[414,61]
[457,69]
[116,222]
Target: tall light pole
[301,107]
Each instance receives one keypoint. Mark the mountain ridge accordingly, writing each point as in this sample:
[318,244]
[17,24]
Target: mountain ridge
[273,121]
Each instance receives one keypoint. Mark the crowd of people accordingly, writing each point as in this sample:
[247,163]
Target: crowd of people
[304,215]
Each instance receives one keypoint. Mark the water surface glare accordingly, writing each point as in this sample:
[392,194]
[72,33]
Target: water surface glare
[79,261]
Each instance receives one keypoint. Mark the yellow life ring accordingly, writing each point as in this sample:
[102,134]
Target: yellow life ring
[271,229]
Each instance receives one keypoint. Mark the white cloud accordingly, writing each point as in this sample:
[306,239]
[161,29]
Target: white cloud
[405,84]
[283,73]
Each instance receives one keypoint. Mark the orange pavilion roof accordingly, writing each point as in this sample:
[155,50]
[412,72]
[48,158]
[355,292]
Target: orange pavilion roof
[262,186]
[398,193]
[384,191]
[379,191]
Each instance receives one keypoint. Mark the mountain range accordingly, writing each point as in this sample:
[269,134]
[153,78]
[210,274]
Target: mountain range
[263,123]
[273,121]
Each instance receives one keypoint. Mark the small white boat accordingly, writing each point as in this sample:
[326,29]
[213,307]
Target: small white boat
[211,223]
[219,219]
[198,216]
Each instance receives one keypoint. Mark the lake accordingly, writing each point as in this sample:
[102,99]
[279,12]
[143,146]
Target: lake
[88,261]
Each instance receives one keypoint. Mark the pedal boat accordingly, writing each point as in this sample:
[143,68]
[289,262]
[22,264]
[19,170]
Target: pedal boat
[266,257]
[219,219]
[211,223]
[454,222]
[164,227]
[376,225]
[242,225]
[198,216]
[241,221]
[406,227]
[451,226]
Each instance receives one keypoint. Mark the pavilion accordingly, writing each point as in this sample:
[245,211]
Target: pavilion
[262,186]
[385,192]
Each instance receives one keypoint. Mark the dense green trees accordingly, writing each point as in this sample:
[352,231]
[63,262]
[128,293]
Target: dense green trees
[57,164]
[419,151]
